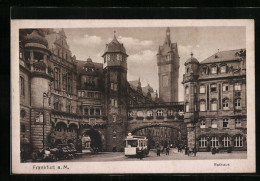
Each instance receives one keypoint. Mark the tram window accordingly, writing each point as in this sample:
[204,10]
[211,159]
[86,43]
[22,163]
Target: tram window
[131,143]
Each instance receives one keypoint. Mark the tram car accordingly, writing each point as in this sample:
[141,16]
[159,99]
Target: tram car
[135,144]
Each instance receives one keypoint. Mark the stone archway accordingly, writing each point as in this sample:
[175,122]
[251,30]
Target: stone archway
[162,135]
[96,139]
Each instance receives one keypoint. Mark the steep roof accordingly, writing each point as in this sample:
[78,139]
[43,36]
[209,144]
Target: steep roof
[223,56]
[98,66]
[114,47]
[133,84]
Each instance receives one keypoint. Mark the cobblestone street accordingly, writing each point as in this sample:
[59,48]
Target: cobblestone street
[174,155]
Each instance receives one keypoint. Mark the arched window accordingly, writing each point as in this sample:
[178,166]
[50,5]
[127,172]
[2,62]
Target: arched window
[61,127]
[226,141]
[149,113]
[159,113]
[238,141]
[214,141]
[140,114]
[202,123]
[214,105]
[202,105]
[187,90]
[225,104]
[203,142]
[72,128]
[187,107]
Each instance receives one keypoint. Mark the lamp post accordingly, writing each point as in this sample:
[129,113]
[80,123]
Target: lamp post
[195,143]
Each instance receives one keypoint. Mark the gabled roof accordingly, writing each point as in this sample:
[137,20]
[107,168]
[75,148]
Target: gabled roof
[98,66]
[223,56]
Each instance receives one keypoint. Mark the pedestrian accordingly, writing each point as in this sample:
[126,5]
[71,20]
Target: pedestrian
[158,151]
[167,150]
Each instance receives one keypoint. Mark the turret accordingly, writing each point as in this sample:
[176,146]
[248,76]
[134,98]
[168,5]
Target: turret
[115,76]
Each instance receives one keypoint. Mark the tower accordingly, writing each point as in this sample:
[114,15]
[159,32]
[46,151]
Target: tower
[190,97]
[168,69]
[115,76]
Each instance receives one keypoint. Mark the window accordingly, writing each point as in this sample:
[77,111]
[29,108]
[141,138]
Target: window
[214,123]
[170,112]
[149,113]
[225,87]
[213,88]
[214,141]
[118,57]
[187,106]
[114,86]
[226,141]
[237,103]
[159,113]
[202,124]
[22,86]
[22,113]
[188,70]
[195,89]
[214,105]
[238,141]
[202,89]
[23,128]
[108,57]
[91,112]
[237,86]
[203,142]
[204,71]
[223,69]
[140,114]
[225,123]
[225,104]
[187,90]
[57,106]
[98,112]
[114,134]
[237,123]
[86,111]
[213,70]
[56,78]
[68,108]
[130,114]
[202,105]
[115,103]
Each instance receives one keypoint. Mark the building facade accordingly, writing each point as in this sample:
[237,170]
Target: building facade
[215,101]
[65,100]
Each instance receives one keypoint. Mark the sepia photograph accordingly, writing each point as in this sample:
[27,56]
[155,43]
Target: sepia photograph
[133,96]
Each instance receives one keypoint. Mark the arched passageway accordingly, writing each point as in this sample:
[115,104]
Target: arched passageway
[160,135]
[95,137]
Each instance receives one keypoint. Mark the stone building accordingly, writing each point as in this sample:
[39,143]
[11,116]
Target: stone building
[168,69]
[215,101]
[64,99]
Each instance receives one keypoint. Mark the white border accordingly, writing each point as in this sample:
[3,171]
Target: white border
[174,166]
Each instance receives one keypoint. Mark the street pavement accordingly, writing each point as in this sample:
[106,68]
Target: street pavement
[174,155]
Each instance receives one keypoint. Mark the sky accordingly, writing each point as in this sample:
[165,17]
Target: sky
[142,45]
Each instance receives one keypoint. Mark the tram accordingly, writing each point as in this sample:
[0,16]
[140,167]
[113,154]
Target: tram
[134,144]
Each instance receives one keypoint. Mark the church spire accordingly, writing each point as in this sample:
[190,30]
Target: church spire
[168,36]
